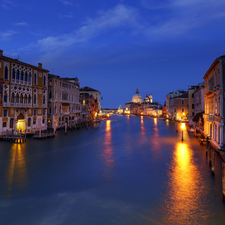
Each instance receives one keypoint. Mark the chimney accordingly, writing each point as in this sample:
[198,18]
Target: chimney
[1,52]
[188,86]
[40,65]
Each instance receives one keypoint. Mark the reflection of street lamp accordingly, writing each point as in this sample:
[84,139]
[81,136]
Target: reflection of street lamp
[182,129]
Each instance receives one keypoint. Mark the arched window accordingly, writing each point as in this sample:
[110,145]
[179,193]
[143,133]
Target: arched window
[25,99]
[29,122]
[6,73]
[29,77]
[11,123]
[17,98]
[21,75]
[18,75]
[13,74]
[29,99]
[25,76]
[44,81]
[35,78]
[43,100]
[21,98]
[5,97]
[35,99]
[13,98]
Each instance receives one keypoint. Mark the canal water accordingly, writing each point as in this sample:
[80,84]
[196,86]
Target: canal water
[129,170]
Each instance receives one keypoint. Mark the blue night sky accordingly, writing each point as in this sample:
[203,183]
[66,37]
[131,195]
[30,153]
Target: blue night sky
[117,46]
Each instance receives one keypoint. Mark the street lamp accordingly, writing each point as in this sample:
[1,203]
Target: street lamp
[182,129]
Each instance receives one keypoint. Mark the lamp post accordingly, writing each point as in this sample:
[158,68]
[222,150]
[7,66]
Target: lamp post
[182,130]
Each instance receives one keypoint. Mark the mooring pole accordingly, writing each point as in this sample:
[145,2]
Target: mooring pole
[213,161]
[210,155]
[223,180]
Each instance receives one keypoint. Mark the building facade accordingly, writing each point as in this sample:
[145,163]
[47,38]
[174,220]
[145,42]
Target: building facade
[170,114]
[63,101]
[23,96]
[214,104]
[95,94]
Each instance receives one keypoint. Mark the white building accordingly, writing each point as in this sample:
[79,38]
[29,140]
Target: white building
[214,104]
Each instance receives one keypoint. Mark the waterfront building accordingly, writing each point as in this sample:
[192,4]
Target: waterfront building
[148,98]
[86,111]
[199,103]
[63,101]
[179,107]
[137,97]
[95,93]
[199,107]
[120,110]
[23,96]
[214,104]
[191,103]
[170,114]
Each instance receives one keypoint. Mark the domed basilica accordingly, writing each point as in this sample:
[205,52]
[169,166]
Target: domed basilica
[137,97]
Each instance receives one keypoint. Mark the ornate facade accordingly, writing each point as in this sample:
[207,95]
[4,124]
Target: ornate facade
[63,101]
[23,96]
[214,103]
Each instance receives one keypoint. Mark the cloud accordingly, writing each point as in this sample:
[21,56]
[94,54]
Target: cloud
[21,24]
[120,16]
[70,15]
[6,35]
[65,2]
[7,4]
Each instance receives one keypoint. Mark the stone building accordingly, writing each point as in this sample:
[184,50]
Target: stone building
[214,104]
[94,93]
[23,95]
[63,101]
[137,98]
[169,109]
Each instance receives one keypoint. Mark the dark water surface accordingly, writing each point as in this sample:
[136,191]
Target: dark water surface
[130,170]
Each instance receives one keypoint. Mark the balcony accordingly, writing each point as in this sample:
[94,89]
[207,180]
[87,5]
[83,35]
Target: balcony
[211,118]
[209,90]
[35,105]
[17,105]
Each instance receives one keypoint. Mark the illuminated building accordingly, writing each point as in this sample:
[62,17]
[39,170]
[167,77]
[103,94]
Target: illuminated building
[178,107]
[63,101]
[23,95]
[148,98]
[170,114]
[214,104]
[94,93]
[137,97]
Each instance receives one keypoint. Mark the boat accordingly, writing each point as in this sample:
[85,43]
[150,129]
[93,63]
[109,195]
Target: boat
[97,121]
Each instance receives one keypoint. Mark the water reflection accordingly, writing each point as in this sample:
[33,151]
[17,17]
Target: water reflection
[16,172]
[142,138]
[184,187]
[108,151]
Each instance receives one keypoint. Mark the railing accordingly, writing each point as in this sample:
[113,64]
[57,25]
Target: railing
[209,89]
[211,118]
[35,105]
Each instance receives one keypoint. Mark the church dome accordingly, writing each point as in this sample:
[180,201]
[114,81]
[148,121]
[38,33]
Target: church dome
[137,97]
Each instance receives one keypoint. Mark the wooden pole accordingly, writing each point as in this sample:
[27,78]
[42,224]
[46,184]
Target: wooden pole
[213,161]
[223,180]
[210,155]
[207,145]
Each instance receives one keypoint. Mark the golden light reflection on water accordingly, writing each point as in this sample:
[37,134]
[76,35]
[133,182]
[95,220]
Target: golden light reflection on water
[108,151]
[182,197]
[142,137]
[16,172]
